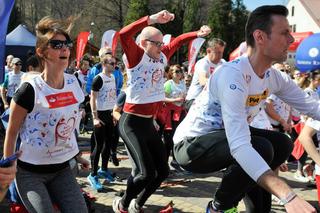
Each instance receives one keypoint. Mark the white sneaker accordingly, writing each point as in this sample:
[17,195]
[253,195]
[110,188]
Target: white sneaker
[116,206]
[298,176]
[133,207]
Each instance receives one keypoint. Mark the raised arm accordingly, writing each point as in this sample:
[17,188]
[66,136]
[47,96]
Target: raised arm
[169,49]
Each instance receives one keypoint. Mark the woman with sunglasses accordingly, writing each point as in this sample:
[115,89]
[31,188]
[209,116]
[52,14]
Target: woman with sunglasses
[103,98]
[175,92]
[45,110]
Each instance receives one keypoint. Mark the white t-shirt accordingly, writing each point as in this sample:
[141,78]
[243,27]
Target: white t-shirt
[261,121]
[83,80]
[280,107]
[107,95]
[47,134]
[145,81]
[230,100]
[206,67]
[14,81]
[175,90]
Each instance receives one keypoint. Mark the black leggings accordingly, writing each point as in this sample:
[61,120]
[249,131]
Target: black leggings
[149,155]
[211,152]
[102,137]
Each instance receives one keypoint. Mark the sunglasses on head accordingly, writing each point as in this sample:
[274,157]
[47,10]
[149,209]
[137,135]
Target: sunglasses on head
[157,43]
[58,44]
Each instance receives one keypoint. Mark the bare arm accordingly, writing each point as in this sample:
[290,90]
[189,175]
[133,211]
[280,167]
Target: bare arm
[96,121]
[203,78]
[305,139]
[4,98]
[16,118]
[116,112]
[270,182]
[275,116]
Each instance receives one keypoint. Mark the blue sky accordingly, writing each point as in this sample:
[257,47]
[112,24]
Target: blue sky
[253,4]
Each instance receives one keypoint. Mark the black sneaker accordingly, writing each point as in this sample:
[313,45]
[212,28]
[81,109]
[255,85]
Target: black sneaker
[114,159]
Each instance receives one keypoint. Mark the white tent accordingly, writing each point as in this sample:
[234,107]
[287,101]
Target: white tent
[20,37]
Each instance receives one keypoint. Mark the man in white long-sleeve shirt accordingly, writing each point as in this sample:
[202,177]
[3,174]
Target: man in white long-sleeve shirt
[204,68]
[215,134]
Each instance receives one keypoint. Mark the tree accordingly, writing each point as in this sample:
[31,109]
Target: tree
[136,10]
[15,18]
[190,18]
[227,19]
[239,19]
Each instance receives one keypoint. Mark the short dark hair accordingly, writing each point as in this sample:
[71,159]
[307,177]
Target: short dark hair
[261,18]
[32,61]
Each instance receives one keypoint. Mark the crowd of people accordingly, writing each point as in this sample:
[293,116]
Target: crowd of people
[241,117]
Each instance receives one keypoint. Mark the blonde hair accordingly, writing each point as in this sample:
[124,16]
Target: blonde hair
[46,29]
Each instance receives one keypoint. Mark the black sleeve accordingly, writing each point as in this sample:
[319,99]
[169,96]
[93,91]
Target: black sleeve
[24,96]
[96,83]
[121,99]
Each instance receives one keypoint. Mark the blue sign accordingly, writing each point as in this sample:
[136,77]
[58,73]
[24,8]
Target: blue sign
[5,10]
[308,53]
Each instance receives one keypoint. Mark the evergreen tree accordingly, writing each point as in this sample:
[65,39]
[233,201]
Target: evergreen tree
[136,10]
[190,21]
[240,15]
[227,19]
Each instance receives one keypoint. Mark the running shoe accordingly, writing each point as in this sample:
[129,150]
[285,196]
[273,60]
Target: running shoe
[176,166]
[210,209]
[94,182]
[114,159]
[116,206]
[298,176]
[133,207]
[107,175]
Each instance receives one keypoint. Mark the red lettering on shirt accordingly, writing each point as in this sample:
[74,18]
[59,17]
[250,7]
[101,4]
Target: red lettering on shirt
[61,99]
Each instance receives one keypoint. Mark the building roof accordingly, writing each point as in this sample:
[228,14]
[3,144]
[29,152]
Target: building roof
[313,8]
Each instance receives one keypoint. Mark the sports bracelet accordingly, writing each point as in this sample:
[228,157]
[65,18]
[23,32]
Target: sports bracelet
[288,198]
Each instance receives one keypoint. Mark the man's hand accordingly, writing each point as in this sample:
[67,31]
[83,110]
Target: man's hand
[97,122]
[297,205]
[204,31]
[161,17]
[283,167]
[6,106]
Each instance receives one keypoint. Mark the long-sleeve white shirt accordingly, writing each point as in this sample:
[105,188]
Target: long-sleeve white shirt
[232,97]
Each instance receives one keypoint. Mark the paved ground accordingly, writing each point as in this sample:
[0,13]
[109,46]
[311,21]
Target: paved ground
[191,194]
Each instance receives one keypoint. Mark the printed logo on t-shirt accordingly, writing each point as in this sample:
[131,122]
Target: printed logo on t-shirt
[254,100]
[61,99]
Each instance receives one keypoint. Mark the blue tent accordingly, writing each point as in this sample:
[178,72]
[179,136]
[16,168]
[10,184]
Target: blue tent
[19,41]
[308,54]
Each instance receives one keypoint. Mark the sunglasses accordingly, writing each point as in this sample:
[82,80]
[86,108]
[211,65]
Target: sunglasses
[157,43]
[177,71]
[110,63]
[18,64]
[58,44]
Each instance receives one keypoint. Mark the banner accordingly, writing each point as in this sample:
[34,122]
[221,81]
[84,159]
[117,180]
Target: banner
[166,39]
[81,45]
[194,48]
[110,39]
[298,38]
[239,51]
[5,10]
[308,54]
